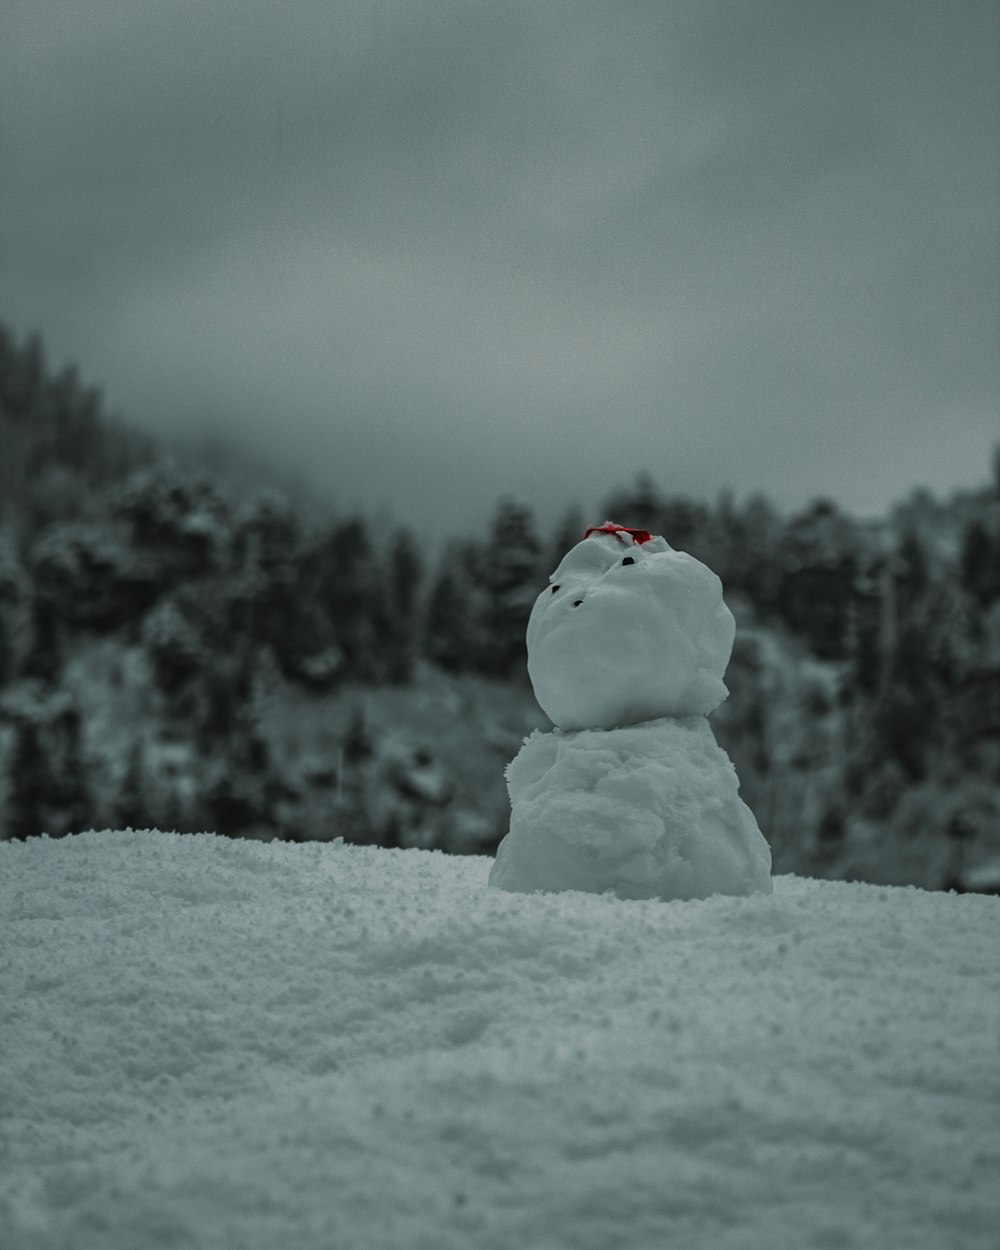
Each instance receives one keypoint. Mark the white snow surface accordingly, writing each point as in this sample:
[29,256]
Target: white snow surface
[212,1043]
[646,811]
[628,632]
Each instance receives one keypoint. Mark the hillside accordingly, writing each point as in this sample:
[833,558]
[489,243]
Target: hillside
[183,652]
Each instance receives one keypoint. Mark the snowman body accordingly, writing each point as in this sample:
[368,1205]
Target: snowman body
[630,793]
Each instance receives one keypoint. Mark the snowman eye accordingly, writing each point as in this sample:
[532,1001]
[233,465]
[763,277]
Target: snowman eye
[628,560]
[554,589]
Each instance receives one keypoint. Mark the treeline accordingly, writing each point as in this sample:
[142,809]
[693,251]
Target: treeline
[212,598]
[101,537]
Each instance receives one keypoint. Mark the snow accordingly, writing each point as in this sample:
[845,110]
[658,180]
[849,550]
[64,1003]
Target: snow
[628,632]
[213,1043]
[646,811]
[627,650]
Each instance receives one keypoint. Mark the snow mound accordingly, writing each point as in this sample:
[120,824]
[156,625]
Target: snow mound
[627,633]
[212,1043]
[645,811]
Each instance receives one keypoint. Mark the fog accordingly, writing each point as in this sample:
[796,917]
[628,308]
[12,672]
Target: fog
[427,252]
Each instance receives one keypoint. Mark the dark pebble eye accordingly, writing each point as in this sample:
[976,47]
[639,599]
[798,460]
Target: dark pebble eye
[577,603]
[554,589]
[628,560]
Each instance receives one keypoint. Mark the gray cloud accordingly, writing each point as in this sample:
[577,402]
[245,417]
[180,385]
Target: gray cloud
[438,251]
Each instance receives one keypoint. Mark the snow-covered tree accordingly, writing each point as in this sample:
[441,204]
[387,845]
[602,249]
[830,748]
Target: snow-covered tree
[131,808]
[510,576]
[173,644]
[447,627]
[22,375]
[404,575]
[979,562]
[28,783]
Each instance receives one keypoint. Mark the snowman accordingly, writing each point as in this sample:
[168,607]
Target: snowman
[630,793]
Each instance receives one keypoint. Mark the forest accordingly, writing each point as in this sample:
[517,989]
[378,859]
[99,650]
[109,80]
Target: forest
[181,652]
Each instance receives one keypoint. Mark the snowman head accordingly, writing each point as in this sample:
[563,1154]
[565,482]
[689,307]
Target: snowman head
[628,630]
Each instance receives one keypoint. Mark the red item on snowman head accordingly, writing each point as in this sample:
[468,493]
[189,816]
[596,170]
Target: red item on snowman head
[637,536]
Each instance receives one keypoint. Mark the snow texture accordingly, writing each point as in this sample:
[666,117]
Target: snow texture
[645,811]
[213,1043]
[628,632]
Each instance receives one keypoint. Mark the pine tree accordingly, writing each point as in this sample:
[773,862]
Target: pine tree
[131,806]
[69,792]
[241,798]
[910,705]
[912,571]
[44,658]
[174,645]
[447,630]
[402,641]
[28,784]
[640,507]
[756,565]
[979,563]
[568,532]
[511,578]
[349,577]
[23,376]
[685,525]
[819,570]
[357,745]
[405,574]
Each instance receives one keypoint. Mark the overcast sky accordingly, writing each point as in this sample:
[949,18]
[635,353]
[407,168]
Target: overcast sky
[434,252]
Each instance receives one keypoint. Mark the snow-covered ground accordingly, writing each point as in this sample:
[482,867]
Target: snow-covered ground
[212,1043]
